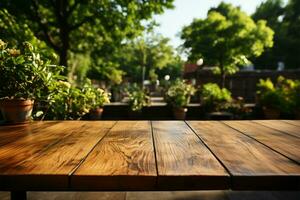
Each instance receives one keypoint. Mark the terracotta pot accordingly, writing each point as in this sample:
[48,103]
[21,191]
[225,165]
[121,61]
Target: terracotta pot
[179,113]
[16,111]
[96,114]
[271,113]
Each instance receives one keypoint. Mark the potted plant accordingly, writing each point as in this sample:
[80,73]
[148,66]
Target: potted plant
[67,102]
[178,96]
[137,99]
[216,101]
[25,76]
[296,99]
[274,99]
[97,97]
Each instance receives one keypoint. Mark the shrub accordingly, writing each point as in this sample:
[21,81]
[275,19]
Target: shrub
[70,102]
[213,98]
[138,98]
[25,72]
[67,102]
[96,97]
[279,96]
[296,97]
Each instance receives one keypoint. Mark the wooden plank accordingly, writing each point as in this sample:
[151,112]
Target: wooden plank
[123,160]
[183,161]
[293,122]
[45,155]
[283,143]
[281,126]
[252,165]
[12,133]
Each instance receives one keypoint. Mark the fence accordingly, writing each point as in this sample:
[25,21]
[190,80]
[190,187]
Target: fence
[243,83]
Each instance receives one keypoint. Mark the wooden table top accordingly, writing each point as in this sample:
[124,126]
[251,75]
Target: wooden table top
[150,155]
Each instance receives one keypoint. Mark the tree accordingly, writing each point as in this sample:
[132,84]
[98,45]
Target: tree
[292,21]
[82,25]
[272,11]
[144,56]
[16,33]
[227,38]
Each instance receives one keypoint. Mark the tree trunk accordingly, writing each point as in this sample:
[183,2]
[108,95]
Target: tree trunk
[223,80]
[62,17]
[143,75]
[223,76]
[63,60]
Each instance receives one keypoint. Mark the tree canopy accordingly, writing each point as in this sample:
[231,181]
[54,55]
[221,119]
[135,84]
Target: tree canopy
[144,56]
[83,25]
[16,33]
[292,21]
[139,59]
[284,20]
[226,39]
[272,11]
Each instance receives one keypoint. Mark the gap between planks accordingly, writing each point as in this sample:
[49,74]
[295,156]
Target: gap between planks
[271,146]
[79,164]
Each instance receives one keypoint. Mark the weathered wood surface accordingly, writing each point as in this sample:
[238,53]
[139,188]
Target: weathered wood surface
[144,155]
[123,160]
[285,144]
[251,164]
[165,195]
[183,161]
[294,122]
[44,156]
[281,126]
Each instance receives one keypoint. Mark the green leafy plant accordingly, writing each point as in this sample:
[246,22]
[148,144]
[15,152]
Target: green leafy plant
[96,97]
[138,98]
[66,102]
[227,38]
[25,72]
[179,94]
[214,98]
[278,96]
[238,108]
[296,97]
[70,102]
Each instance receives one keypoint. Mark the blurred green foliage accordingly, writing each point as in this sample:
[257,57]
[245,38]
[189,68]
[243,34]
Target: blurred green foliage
[179,94]
[83,26]
[69,102]
[282,95]
[148,54]
[15,33]
[24,73]
[138,98]
[226,39]
[284,20]
[214,98]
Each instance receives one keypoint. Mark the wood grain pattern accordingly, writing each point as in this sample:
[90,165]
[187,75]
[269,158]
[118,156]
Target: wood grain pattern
[285,144]
[135,155]
[123,160]
[294,122]
[281,126]
[45,155]
[183,161]
[251,164]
